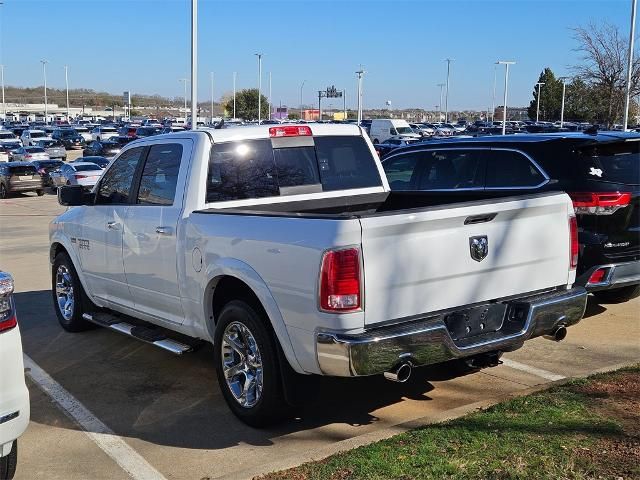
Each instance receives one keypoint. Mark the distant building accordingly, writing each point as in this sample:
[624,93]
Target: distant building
[513,113]
[311,114]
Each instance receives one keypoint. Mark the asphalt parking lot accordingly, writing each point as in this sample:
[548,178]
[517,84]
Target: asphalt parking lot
[161,416]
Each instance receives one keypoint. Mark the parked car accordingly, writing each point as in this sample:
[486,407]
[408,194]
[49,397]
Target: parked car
[14,396]
[128,131]
[84,132]
[391,144]
[69,137]
[103,132]
[19,177]
[102,162]
[600,171]
[85,174]
[8,137]
[382,129]
[44,167]
[172,129]
[5,153]
[284,248]
[105,148]
[423,129]
[27,154]
[53,148]
[29,137]
[147,131]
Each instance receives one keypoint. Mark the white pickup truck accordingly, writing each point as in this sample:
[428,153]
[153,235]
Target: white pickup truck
[285,248]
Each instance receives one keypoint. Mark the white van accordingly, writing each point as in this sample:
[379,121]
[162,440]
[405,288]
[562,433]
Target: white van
[385,128]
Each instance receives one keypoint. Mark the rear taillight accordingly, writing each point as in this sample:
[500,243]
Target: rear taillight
[599,203]
[8,318]
[42,171]
[28,156]
[290,131]
[80,176]
[340,281]
[574,245]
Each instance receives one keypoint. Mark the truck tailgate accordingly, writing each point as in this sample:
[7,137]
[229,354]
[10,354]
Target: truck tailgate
[419,262]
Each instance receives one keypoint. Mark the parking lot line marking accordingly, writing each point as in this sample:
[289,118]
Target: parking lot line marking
[114,446]
[547,375]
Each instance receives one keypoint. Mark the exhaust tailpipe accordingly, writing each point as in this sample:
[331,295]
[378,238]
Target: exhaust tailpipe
[399,374]
[558,334]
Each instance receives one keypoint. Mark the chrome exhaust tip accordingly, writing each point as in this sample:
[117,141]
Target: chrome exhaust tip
[559,334]
[399,374]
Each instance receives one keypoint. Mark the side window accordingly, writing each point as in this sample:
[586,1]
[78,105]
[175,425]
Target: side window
[160,175]
[452,170]
[508,169]
[115,184]
[400,171]
[241,170]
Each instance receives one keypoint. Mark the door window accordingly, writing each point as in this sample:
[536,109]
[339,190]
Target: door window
[160,175]
[400,170]
[511,169]
[115,184]
[451,169]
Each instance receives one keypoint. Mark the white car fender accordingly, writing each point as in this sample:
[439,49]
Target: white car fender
[235,268]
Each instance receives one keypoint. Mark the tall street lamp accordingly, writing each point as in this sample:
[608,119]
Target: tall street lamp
[446,98]
[301,97]
[259,55]
[493,103]
[269,95]
[564,89]
[184,81]
[211,98]
[506,89]
[360,73]
[66,82]
[235,74]
[44,73]
[4,105]
[539,84]
[194,65]
[632,32]
[441,85]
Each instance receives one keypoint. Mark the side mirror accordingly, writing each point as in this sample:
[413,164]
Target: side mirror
[74,196]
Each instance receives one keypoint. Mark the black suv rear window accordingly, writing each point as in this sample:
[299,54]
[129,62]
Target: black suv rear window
[253,169]
[611,162]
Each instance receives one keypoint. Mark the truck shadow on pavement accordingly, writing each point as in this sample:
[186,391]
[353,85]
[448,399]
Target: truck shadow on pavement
[140,391]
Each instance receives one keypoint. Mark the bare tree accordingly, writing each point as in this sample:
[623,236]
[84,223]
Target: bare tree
[604,58]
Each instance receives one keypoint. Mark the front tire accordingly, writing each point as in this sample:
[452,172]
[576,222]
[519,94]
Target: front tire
[618,295]
[68,295]
[8,463]
[40,192]
[247,365]
[3,191]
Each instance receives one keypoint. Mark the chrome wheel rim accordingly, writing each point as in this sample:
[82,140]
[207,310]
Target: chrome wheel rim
[64,292]
[242,364]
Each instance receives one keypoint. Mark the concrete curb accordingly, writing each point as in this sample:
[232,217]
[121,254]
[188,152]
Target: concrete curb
[312,455]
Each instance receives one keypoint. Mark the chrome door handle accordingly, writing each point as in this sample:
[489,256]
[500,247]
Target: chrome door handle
[113,225]
[164,230]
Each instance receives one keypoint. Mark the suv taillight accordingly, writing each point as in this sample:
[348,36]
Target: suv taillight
[340,281]
[8,318]
[573,242]
[599,203]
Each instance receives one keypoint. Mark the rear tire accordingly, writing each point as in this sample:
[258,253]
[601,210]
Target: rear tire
[376,141]
[245,351]
[3,191]
[40,192]
[69,298]
[8,463]
[618,295]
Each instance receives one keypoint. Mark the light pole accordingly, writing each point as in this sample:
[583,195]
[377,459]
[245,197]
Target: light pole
[235,74]
[360,73]
[632,32]
[269,95]
[506,89]
[4,105]
[493,103]
[194,65]
[184,81]
[446,98]
[66,82]
[301,97]
[344,103]
[564,88]
[441,85]
[539,84]
[259,55]
[44,73]
[211,98]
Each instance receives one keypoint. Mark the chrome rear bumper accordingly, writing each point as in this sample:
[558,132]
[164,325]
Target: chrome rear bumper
[427,340]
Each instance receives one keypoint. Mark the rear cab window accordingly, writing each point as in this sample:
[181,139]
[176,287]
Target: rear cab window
[260,168]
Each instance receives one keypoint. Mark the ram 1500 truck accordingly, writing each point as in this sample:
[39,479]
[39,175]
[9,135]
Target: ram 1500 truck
[284,247]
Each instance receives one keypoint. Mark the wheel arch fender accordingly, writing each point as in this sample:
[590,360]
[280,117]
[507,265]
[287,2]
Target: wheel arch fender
[239,270]
[60,243]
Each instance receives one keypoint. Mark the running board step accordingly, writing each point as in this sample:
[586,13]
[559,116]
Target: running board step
[153,336]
